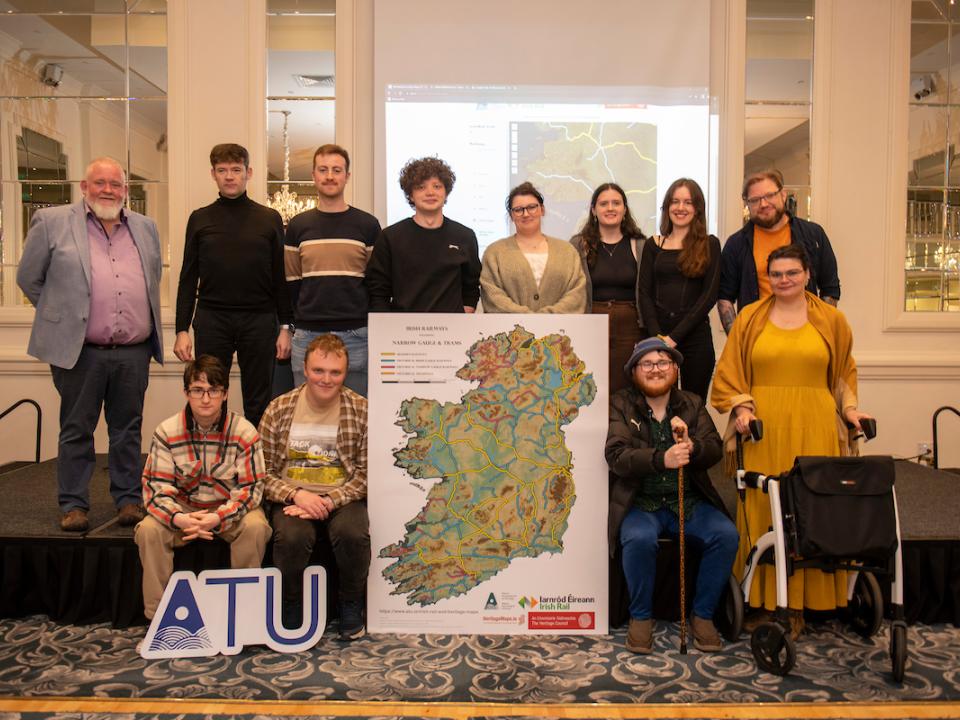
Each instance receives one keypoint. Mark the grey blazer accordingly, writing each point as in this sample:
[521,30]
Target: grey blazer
[54,274]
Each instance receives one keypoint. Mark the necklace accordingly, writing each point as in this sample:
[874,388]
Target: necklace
[607,247]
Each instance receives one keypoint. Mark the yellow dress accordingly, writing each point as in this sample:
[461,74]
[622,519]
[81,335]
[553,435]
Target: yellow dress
[790,388]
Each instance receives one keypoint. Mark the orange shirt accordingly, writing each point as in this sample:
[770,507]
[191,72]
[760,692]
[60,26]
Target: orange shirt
[764,243]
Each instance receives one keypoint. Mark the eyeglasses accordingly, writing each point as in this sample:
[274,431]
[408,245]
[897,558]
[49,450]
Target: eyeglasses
[754,201]
[525,210]
[214,393]
[780,275]
[648,365]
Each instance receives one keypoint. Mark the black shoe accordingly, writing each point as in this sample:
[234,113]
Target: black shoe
[351,620]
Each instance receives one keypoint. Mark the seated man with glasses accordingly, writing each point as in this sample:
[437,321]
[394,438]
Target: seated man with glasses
[743,262]
[203,479]
[655,429]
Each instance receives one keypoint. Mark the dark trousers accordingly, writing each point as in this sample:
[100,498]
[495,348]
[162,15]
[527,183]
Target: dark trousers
[699,360]
[115,380]
[293,539]
[254,338]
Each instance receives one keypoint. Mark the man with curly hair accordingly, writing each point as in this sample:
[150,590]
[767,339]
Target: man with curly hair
[428,262]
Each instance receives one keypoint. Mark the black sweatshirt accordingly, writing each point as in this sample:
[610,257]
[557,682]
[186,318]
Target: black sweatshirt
[234,248]
[417,269]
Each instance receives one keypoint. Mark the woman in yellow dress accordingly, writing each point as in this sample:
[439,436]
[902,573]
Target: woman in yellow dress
[788,361]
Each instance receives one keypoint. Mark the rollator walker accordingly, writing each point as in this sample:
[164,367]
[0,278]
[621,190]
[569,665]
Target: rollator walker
[832,513]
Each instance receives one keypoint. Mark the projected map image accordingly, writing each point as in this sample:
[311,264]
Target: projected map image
[506,485]
[566,161]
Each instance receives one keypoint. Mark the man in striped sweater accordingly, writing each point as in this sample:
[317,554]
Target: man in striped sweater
[203,479]
[325,261]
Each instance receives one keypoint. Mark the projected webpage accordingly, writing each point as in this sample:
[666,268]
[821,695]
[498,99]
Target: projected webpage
[565,140]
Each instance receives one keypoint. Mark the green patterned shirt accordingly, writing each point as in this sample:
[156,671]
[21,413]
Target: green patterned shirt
[660,488]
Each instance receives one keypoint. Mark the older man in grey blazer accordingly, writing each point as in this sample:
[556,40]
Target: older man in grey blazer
[92,270]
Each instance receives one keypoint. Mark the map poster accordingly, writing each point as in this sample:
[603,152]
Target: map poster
[487,481]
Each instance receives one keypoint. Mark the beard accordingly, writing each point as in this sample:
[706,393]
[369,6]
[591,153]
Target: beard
[658,387]
[767,224]
[106,211]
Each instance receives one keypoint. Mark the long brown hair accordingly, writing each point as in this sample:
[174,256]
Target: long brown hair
[590,232]
[695,254]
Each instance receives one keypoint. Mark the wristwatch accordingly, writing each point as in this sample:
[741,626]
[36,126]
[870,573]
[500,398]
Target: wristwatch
[289,328]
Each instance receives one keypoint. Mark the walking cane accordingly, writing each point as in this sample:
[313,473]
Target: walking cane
[678,436]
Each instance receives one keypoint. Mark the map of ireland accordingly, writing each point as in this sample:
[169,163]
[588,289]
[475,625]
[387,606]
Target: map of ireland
[504,474]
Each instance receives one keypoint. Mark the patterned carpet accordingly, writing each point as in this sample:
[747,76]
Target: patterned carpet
[41,658]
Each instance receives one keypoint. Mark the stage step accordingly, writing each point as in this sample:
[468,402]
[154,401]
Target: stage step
[16,465]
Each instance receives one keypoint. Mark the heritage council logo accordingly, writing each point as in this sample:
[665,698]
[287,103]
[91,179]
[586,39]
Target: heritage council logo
[559,612]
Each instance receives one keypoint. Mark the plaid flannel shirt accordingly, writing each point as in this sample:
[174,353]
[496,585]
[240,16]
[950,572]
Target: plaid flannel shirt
[221,471]
[351,447]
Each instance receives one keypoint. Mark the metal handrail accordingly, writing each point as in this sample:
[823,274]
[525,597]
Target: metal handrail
[936,414]
[40,420]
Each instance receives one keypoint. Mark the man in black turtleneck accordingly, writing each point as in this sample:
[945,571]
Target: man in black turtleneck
[234,251]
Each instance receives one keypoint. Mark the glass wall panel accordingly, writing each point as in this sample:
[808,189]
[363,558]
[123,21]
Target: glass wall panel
[81,79]
[932,230]
[301,81]
[779,80]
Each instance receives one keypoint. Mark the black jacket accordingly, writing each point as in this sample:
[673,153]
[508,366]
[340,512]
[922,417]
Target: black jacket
[631,455]
[738,271]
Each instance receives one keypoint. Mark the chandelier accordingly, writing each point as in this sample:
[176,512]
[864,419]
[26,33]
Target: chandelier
[284,201]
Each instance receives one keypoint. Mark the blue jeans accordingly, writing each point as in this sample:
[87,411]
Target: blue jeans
[356,342]
[707,529]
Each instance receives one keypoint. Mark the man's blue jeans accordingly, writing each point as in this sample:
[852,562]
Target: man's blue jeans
[707,528]
[356,342]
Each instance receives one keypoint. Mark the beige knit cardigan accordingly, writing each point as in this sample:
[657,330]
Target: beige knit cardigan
[507,284]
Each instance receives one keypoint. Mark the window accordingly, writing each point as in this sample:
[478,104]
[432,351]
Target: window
[82,79]
[300,97]
[779,86]
[932,262]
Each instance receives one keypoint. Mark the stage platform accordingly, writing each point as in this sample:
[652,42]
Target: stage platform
[95,577]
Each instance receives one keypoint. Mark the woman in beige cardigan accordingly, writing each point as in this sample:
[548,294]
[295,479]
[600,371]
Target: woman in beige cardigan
[529,272]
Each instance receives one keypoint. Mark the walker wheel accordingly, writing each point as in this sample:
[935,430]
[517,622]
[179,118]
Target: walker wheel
[865,611]
[729,615]
[898,649]
[773,648]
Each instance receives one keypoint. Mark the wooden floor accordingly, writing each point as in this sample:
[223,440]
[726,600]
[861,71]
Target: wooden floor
[462,711]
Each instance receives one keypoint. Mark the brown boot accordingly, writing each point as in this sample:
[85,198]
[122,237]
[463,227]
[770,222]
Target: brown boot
[705,635]
[75,521]
[756,617]
[797,625]
[640,636]
[130,514]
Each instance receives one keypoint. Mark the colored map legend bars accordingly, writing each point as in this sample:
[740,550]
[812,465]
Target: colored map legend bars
[416,366]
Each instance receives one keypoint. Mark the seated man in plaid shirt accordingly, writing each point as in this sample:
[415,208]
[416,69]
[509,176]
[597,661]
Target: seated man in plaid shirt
[203,479]
[315,448]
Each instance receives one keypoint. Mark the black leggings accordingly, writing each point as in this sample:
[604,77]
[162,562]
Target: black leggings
[699,360]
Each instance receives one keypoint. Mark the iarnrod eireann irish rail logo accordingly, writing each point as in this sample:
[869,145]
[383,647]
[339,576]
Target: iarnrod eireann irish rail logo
[221,611]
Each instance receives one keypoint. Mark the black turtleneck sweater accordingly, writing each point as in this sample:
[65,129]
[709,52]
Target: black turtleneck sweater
[234,250]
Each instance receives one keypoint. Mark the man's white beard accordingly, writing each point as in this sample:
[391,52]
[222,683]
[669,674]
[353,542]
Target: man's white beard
[104,211]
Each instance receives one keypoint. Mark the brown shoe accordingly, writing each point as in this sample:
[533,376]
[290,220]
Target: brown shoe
[130,514]
[74,521]
[797,625]
[705,635]
[755,618]
[640,636]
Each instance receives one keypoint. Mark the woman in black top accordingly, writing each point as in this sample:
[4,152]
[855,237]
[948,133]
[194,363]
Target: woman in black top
[678,282]
[610,244]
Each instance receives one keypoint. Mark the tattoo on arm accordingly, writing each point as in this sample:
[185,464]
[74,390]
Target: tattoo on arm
[727,314]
